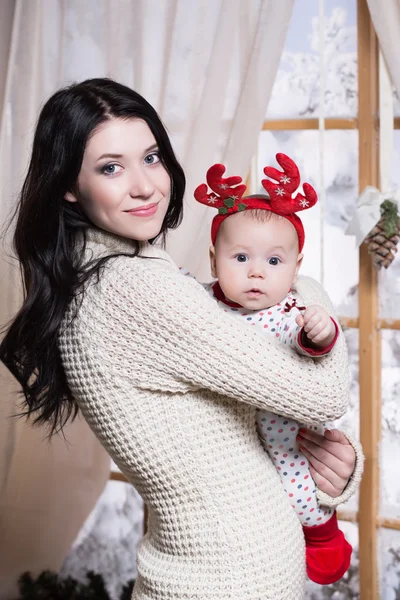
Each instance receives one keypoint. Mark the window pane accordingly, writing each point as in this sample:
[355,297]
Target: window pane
[389,280]
[389,563]
[390,443]
[297,86]
[108,540]
[389,290]
[338,271]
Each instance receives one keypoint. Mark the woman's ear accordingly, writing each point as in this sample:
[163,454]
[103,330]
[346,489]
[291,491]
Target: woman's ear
[70,197]
[213,264]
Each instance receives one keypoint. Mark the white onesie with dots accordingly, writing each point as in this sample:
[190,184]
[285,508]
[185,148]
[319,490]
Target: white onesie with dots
[278,434]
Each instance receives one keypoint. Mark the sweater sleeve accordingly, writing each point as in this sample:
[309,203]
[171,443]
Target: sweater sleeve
[180,335]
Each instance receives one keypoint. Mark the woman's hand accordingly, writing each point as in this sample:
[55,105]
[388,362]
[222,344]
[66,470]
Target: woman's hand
[332,459]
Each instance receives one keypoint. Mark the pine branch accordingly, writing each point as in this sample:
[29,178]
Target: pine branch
[390,217]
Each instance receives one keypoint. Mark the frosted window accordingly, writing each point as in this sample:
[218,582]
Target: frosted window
[297,86]
[389,291]
[108,541]
[389,563]
[389,280]
[390,442]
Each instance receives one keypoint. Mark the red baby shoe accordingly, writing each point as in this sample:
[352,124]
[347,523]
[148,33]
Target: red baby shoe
[327,552]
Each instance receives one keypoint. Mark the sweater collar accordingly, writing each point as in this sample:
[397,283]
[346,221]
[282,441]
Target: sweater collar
[111,241]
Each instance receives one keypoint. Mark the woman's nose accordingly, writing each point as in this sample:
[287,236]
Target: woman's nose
[141,184]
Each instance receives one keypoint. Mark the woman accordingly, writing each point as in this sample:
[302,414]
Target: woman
[168,382]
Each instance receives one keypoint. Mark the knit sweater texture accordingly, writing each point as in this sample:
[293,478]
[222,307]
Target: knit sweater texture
[169,384]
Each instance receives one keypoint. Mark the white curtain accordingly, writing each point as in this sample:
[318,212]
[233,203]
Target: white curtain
[208,68]
[386,19]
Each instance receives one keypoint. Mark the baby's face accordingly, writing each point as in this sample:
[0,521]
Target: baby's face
[255,263]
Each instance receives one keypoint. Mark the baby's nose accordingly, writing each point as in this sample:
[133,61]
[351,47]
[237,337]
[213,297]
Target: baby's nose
[257,271]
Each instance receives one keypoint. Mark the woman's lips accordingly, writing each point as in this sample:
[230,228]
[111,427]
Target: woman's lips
[143,211]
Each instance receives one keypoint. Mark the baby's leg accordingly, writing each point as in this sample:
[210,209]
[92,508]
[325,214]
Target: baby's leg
[278,435]
[327,550]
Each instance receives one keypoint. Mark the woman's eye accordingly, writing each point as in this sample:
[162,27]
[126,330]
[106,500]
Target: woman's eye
[274,260]
[152,158]
[110,169]
[241,258]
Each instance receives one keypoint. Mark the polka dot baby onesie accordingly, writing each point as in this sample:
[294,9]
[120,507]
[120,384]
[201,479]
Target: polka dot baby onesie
[278,434]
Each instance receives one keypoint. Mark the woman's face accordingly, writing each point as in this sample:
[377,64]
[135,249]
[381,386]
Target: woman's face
[123,187]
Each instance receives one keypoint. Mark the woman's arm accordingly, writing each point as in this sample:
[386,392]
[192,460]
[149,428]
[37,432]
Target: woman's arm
[184,341]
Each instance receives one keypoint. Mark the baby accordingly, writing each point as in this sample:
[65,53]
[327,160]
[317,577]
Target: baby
[255,257]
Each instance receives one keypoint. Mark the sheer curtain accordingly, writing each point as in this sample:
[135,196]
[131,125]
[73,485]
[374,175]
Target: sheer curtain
[208,68]
[386,19]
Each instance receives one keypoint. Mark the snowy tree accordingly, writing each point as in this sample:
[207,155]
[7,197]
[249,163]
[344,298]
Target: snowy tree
[297,87]
[108,540]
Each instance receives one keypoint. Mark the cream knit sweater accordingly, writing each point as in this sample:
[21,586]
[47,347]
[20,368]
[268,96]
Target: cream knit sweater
[169,384]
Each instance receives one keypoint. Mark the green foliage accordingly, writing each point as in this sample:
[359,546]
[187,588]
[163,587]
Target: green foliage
[50,586]
[390,215]
[126,593]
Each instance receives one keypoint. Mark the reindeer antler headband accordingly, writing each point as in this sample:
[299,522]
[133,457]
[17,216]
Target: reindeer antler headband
[227,195]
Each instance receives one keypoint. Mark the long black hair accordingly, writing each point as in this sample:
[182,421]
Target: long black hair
[45,238]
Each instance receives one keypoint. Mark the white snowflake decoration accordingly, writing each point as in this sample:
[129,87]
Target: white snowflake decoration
[224,186]
[285,179]
[212,199]
[280,192]
[304,203]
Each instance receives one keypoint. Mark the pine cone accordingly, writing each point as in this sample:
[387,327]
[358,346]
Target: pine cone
[382,240]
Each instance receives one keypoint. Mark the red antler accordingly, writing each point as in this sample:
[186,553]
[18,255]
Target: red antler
[224,196]
[288,181]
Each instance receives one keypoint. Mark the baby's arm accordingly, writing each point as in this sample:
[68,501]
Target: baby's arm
[310,331]
[318,329]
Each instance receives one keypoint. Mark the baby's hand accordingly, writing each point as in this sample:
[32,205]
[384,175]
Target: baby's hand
[317,326]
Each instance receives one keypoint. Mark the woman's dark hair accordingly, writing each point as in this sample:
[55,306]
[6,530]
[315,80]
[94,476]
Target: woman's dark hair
[45,238]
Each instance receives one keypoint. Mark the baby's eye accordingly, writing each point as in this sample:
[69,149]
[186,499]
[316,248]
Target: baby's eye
[241,258]
[274,260]
[152,159]
[110,169]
